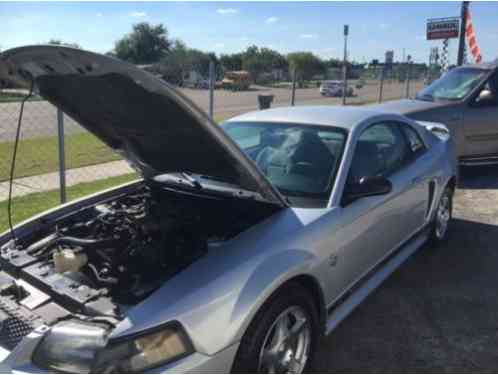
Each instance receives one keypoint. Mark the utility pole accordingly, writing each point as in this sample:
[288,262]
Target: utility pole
[211,89]
[408,73]
[344,66]
[293,93]
[463,24]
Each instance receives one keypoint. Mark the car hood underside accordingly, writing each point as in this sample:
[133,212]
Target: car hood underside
[151,124]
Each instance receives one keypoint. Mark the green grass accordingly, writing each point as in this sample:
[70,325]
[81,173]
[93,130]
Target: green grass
[16,97]
[40,155]
[31,204]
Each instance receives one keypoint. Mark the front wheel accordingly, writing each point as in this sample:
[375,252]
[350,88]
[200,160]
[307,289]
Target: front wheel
[442,217]
[282,338]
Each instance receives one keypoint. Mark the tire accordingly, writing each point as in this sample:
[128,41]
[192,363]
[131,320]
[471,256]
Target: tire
[442,218]
[264,333]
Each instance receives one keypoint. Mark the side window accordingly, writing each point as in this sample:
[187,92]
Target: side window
[415,143]
[380,150]
[488,96]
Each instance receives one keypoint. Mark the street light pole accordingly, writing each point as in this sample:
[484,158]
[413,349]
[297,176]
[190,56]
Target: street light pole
[463,24]
[344,66]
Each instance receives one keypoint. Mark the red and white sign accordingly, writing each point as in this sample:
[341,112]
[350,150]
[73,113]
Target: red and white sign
[443,28]
[471,39]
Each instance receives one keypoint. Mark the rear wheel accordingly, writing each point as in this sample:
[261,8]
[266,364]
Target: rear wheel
[282,337]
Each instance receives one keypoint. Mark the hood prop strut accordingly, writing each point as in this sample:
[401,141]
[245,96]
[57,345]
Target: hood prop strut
[13,162]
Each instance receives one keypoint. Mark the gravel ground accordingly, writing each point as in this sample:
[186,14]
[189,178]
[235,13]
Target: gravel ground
[438,312]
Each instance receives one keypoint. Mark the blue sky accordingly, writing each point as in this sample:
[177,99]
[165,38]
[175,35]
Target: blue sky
[225,27]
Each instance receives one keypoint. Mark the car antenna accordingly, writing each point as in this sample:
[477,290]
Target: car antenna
[13,163]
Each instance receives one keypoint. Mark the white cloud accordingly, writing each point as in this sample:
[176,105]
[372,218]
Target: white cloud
[270,20]
[227,11]
[99,15]
[307,36]
[138,14]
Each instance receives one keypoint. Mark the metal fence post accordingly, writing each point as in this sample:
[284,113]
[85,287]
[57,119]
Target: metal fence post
[293,93]
[381,87]
[62,157]
[345,66]
[408,73]
[211,89]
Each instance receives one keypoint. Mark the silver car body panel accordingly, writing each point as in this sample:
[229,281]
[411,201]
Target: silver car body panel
[345,252]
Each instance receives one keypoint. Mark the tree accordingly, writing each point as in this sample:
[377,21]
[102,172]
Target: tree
[146,44]
[232,61]
[180,60]
[58,42]
[305,64]
[262,60]
[173,65]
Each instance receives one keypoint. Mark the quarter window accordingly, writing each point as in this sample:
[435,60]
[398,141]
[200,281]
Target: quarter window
[380,150]
[414,141]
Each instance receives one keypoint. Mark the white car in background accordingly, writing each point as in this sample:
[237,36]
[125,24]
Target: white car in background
[334,88]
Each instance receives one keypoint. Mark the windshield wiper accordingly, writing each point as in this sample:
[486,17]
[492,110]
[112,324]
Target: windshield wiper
[191,180]
[426,97]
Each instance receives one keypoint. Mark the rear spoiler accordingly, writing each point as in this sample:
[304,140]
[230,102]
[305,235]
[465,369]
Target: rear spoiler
[436,128]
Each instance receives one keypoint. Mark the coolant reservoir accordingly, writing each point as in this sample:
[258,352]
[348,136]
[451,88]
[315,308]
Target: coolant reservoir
[67,260]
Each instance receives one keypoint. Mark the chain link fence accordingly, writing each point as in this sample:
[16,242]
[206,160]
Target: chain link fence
[88,165]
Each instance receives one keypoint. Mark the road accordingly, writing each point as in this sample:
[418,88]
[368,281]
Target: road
[438,312]
[40,117]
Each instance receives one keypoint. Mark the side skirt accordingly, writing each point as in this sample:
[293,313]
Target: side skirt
[479,160]
[342,308]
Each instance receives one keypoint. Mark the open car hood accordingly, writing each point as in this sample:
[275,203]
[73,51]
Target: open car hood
[155,127]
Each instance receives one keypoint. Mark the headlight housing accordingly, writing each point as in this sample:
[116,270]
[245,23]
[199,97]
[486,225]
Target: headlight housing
[74,346]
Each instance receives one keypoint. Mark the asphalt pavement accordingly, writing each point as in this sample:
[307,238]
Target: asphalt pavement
[438,312]
[40,117]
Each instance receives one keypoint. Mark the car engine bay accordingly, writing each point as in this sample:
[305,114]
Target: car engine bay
[106,257]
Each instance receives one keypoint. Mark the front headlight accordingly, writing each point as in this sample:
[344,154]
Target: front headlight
[145,351]
[80,347]
[70,346]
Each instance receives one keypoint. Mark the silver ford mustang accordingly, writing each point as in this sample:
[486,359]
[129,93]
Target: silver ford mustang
[239,246]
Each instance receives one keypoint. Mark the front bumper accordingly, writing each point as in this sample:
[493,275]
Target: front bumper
[19,360]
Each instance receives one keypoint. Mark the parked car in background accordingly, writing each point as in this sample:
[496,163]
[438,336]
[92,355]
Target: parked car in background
[334,88]
[240,246]
[466,100]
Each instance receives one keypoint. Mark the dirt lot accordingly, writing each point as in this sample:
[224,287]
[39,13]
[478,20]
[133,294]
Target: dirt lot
[439,312]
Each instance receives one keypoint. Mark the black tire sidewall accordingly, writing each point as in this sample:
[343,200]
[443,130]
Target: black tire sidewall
[247,358]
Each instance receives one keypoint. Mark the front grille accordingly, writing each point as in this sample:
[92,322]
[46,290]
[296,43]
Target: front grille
[16,322]
[13,331]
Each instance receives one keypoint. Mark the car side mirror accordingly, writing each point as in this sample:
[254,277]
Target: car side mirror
[367,187]
[484,97]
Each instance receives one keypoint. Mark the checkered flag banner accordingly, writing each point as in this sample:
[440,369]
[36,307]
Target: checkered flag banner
[444,56]
[471,39]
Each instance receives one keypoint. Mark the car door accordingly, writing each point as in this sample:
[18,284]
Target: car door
[481,121]
[375,226]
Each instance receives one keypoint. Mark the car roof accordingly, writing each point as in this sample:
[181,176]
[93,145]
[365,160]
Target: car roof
[485,66]
[338,116]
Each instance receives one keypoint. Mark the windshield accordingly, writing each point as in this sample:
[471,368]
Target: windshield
[454,85]
[299,160]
